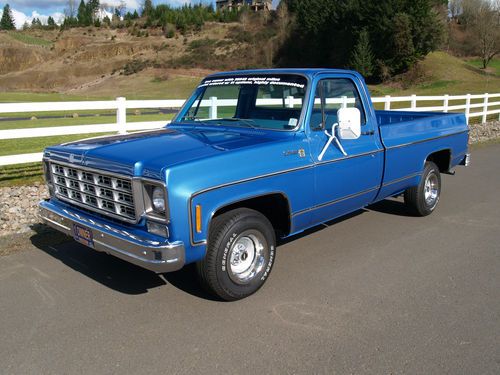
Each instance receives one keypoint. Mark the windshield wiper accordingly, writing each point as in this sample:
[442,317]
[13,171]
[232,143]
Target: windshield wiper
[248,122]
[196,120]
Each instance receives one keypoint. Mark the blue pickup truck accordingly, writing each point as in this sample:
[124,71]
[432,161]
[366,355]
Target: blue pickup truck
[251,157]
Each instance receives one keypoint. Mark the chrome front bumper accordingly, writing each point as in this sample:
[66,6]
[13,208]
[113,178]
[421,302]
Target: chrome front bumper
[153,255]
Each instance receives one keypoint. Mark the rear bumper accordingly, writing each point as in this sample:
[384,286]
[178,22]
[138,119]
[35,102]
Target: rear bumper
[153,255]
[466,160]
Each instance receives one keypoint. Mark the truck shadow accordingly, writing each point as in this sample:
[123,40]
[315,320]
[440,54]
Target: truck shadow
[392,206]
[129,279]
[109,271]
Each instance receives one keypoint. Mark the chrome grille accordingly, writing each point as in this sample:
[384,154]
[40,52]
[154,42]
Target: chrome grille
[100,192]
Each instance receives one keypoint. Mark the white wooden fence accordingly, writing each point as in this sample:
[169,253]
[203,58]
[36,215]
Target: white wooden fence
[485,106]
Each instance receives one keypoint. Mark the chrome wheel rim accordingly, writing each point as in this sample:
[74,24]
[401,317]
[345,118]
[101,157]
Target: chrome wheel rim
[431,189]
[247,257]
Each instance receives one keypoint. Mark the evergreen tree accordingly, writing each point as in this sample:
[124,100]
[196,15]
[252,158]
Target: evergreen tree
[403,54]
[82,14]
[147,8]
[51,23]
[36,23]
[92,8]
[7,21]
[106,21]
[362,55]
[326,32]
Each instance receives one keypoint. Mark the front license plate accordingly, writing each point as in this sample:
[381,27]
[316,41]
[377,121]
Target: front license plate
[83,235]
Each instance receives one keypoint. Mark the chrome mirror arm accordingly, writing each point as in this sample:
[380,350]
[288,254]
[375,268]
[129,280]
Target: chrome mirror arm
[331,138]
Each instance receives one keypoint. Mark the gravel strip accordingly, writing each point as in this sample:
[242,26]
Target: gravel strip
[19,207]
[484,132]
[19,204]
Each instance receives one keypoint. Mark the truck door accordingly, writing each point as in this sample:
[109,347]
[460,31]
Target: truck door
[343,183]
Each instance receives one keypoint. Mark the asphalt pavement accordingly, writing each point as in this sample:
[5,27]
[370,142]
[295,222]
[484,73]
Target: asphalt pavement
[379,292]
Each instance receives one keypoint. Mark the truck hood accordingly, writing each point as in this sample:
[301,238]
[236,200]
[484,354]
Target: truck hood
[147,153]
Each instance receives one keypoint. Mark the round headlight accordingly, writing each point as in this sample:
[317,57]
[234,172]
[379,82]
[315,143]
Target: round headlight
[158,199]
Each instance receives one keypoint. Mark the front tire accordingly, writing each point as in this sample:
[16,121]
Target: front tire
[240,254]
[422,200]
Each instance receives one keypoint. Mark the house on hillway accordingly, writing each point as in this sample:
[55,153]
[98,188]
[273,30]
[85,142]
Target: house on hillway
[236,4]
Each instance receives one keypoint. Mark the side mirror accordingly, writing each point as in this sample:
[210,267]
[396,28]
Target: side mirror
[349,120]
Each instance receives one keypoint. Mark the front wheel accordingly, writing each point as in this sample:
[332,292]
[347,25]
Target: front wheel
[423,199]
[240,254]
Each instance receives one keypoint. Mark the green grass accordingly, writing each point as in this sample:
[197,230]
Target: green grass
[444,74]
[29,39]
[70,121]
[30,145]
[21,174]
[26,97]
[493,66]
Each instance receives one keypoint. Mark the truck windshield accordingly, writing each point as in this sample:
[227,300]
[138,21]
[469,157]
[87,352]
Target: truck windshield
[258,101]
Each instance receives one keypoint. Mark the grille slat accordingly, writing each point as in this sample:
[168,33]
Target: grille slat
[101,192]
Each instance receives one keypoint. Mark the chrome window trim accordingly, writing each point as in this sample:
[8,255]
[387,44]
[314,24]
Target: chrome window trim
[349,77]
[303,113]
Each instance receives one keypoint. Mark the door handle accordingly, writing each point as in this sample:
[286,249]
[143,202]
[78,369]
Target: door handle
[371,132]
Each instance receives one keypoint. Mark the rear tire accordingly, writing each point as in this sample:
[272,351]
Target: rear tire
[240,254]
[422,200]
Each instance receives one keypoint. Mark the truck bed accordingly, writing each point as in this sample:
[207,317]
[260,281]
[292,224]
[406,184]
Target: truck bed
[410,137]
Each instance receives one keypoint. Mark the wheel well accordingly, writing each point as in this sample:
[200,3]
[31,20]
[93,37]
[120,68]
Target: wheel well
[273,206]
[441,159]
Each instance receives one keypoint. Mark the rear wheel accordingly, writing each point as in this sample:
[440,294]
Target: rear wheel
[423,199]
[240,254]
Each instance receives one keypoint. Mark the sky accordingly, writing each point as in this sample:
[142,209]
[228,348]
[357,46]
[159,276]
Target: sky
[26,10]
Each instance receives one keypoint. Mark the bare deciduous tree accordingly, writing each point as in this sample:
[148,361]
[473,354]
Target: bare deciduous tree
[455,7]
[483,23]
[70,10]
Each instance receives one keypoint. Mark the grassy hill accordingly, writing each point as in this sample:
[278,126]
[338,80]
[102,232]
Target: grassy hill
[440,73]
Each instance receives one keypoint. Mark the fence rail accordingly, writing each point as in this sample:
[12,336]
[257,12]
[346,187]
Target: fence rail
[485,105]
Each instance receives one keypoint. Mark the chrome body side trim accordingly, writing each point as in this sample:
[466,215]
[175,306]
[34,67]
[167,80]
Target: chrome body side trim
[372,152]
[392,182]
[338,200]
[156,256]
[425,140]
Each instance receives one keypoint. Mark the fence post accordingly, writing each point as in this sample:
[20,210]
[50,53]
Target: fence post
[467,108]
[485,108]
[212,112]
[413,101]
[344,101]
[445,103]
[387,103]
[121,115]
[289,101]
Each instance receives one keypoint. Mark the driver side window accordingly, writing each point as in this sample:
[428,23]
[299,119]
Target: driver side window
[336,93]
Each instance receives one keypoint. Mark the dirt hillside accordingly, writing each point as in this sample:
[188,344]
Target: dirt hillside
[80,59]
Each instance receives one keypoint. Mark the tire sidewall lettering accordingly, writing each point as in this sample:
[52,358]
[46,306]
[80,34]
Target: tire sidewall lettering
[226,251]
